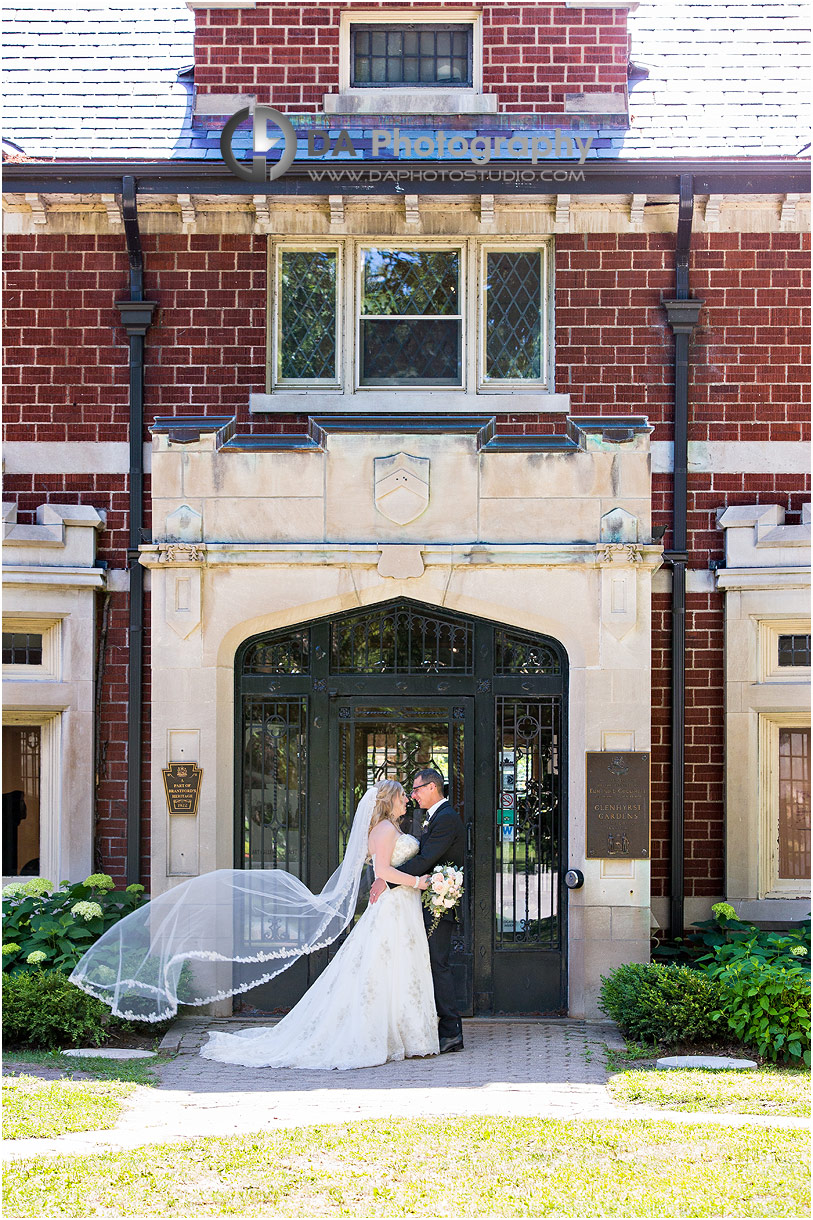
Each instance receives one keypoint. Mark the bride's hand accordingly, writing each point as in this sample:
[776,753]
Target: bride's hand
[423,882]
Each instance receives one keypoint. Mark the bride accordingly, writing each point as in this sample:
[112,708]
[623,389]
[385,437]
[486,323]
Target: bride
[228,931]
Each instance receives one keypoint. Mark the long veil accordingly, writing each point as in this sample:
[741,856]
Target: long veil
[221,933]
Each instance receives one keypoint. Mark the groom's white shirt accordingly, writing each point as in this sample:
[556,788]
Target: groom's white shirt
[430,813]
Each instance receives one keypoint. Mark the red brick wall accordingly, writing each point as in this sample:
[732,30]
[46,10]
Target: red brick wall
[67,379]
[533,54]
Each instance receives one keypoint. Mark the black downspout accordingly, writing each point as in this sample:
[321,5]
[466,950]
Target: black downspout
[136,315]
[682,313]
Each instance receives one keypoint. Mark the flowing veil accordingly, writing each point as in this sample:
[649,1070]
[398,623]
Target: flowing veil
[221,933]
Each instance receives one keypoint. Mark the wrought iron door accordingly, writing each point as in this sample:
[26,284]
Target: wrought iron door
[325,708]
[373,739]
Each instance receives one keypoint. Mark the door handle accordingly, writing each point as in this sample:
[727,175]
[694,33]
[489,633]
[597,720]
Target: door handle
[469,838]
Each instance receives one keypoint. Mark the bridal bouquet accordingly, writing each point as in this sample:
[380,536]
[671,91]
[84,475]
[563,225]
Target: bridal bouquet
[444,893]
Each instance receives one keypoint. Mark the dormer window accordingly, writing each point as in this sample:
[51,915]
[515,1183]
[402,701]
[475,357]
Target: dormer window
[415,54]
[430,62]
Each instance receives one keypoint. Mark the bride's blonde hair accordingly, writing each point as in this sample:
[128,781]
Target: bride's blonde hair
[388,792]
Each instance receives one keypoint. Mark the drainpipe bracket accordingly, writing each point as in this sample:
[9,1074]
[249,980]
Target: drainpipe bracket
[674,557]
[683,315]
[136,315]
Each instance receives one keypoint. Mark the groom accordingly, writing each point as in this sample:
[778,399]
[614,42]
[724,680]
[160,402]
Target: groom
[441,843]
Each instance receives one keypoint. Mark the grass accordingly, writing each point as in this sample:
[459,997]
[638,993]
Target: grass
[766,1090]
[131,1071]
[458,1167]
[34,1108]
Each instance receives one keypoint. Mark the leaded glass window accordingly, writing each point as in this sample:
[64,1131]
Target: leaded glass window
[514,312]
[411,317]
[416,55]
[307,315]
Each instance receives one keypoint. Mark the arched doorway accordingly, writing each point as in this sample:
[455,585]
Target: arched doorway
[325,708]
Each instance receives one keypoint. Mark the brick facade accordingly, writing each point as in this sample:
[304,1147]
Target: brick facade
[67,379]
[287,56]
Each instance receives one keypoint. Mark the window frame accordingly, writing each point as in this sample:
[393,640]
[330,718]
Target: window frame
[50,725]
[418,28]
[358,317]
[472,252]
[274,380]
[51,632]
[769,668]
[416,17]
[504,384]
[771,885]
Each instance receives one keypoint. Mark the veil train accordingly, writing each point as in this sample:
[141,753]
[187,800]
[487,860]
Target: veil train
[221,933]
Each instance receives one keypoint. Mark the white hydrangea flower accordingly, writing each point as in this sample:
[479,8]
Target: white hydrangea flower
[101,881]
[135,888]
[37,887]
[36,957]
[798,951]
[88,910]
[14,889]
[10,948]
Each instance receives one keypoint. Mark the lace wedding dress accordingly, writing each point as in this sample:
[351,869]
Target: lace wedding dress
[373,1003]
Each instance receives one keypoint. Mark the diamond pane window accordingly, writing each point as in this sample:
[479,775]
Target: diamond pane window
[411,319]
[384,55]
[307,315]
[514,310]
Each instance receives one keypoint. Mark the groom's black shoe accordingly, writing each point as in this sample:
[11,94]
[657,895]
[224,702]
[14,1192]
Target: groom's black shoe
[451,1044]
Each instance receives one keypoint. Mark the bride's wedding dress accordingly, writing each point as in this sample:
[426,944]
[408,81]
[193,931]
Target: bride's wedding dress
[373,1003]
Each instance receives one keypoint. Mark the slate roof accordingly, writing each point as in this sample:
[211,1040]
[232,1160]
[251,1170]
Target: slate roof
[101,81]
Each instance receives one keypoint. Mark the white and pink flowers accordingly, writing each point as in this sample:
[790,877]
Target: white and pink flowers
[444,892]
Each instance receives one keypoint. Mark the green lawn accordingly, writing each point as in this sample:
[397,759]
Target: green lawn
[459,1167]
[766,1090]
[135,1071]
[45,1108]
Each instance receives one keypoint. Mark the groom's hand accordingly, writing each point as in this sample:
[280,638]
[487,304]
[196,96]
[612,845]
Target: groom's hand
[377,889]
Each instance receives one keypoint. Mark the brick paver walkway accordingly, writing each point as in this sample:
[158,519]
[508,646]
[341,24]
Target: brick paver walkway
[546,1069]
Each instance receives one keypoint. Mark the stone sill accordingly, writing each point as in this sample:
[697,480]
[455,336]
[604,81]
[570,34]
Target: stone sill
[408,402]
[410,101]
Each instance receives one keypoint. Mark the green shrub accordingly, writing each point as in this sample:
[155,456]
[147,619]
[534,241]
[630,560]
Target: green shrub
[724,928]
[56,926]
[664,1004]
[42,1010]
[765,994]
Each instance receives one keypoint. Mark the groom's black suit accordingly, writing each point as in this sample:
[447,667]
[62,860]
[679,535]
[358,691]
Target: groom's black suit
[442,842]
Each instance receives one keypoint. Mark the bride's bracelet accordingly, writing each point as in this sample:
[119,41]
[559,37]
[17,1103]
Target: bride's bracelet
[415,883]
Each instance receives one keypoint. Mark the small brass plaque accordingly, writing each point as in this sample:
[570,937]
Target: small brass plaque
[617,805]
[182,786]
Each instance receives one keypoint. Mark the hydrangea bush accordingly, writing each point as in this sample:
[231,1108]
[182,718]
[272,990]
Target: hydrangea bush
[49,928]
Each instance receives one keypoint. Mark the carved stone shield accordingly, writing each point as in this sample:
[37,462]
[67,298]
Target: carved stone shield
[401,487]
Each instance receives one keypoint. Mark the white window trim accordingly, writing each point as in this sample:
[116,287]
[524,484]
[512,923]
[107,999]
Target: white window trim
[505,385]
[51,632]
[429,16]
[274,317]
[769,668]
[50,725]
[771,885]
[473,385]
[411,244]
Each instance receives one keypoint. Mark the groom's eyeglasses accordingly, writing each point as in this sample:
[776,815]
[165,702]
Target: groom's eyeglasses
[418,787]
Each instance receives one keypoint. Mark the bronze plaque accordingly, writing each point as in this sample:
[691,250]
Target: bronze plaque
[182,786]
[617,805]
